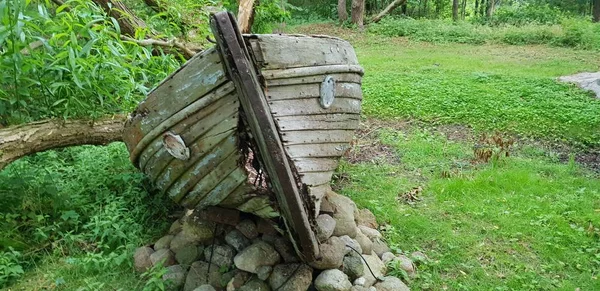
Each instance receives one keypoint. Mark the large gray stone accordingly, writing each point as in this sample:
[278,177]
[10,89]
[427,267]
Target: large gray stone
[406,264]
[189,254]
[141,259]
[256,255]
[380,247]
[164,256]
[237,240]
[371,233]
[263,272]
[222,255]
[325,227]
[353,266]
[285,249]
[585,81]
[198,275]
[194,231]
[331,254]
[343,214]
[175,227]
[163,242]
[391,284]
[365,243]
[365,217]
[255,285]
[248,228]
[296,277]
[377,266]
[205,287]
[174,277]
[351,244]
[332,280]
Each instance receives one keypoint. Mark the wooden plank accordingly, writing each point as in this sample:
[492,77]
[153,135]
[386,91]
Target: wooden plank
[305,165]
[227,184]
[338,121]
[311,71]
[316,136]
[201,75]
[317,193]
[341,78]
[237,197]
[226,105]
[300,91]
[312,106]
[284,51]
[134,125]
[197,141]
[265,134]
[316,178]
[208,182]
[180,176]
[318,150]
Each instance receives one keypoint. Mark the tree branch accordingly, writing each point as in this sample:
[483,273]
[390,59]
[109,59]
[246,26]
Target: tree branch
[187,51]
[387,10]
[21,140]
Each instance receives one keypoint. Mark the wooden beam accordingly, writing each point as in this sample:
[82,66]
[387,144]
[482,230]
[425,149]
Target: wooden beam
[261,123]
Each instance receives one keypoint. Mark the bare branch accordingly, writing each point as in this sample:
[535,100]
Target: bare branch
[387,10]
[172,43]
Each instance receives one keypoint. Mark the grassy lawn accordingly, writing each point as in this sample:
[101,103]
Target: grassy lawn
[524,222]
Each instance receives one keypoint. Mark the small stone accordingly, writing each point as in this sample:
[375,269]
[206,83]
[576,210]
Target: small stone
[248,228]
[222,255]
[353,265]
[361,288]
[370,232]
[141,259]
[326,206]
[270,238]
[379,247]
[265,227]
[263,272]
[365,217]
[189,254]
[220,215]
[331,254]
[286,250]
[174,277]
[405,264]
[360,281]
[237,240]
[291,277]
[391,284]
[163,242]
[238,280]
[256,255]
[419,257]
[332,280]
[194,231]
[325,227]
[376,265]
[198,275]
[205,287]
[343,215]
[255,285]
[351,244]
[164,256]
[175,227]
[365,243]
[387,257]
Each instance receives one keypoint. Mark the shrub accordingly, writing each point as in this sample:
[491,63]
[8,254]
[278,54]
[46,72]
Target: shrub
[439,31]
[519,15]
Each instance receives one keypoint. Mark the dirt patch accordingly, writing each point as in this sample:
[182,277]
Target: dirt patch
[367,147]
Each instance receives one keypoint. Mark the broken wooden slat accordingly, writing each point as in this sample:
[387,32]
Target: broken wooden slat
[316,178]
[312,106]
[319,150]
[264,131]
[305,165]
[321,121]
[284,73]
[316,136]
[341,78]
[308,51]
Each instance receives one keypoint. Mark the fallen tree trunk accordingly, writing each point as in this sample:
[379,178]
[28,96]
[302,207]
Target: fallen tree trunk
[388,10]
[21,140]
[246,15]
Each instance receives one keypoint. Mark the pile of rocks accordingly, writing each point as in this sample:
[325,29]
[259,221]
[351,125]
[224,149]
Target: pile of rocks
[219,249]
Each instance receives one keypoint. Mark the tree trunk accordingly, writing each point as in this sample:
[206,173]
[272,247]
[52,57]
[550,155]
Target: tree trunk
[358,12]
[21,140]
[342,12]
[476,7]
[245,15]
[389,9]
[454,10]
[596,11]
[463,12]
[128,21]
[482,6]
[404,9]
[490,8]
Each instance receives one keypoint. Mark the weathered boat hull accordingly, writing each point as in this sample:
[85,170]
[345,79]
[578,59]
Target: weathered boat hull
[296,70]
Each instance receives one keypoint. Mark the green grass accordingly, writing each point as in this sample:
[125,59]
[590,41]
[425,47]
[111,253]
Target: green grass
[511,89]
[522,223]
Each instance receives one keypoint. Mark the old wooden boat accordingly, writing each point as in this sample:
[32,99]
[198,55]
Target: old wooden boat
[257,123]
